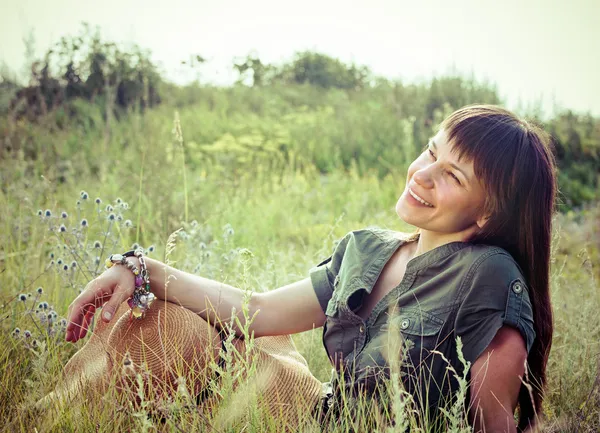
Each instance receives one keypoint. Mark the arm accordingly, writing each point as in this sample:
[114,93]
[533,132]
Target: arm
[289,309]
[495,382]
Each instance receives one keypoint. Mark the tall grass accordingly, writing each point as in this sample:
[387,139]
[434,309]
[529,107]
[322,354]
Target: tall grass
[256,220]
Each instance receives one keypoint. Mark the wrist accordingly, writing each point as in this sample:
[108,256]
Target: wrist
[142,298]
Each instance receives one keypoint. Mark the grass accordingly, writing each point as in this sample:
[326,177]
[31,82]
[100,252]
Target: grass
[256,224]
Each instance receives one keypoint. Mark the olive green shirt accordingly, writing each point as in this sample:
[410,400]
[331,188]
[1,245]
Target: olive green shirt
[457,289]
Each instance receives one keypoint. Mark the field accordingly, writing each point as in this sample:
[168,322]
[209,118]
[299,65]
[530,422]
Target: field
[261,191]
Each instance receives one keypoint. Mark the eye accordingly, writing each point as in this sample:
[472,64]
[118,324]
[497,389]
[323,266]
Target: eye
[431,153]
[455,178]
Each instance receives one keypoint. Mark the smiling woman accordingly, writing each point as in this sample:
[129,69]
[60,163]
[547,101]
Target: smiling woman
[482,198]
[442,192]
[488,177]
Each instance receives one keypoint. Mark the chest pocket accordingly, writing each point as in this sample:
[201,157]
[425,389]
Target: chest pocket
[422,330]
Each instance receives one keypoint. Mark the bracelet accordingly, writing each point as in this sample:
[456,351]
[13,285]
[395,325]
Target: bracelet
[142,297]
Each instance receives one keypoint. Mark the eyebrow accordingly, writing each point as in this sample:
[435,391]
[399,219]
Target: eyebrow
[451,163]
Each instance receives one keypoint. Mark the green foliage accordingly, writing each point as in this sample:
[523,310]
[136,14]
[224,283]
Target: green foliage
[86,67]
[279,168]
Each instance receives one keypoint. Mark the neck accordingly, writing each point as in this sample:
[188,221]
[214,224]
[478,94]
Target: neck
[428,240]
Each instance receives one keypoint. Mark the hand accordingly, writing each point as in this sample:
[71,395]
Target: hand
[113,286]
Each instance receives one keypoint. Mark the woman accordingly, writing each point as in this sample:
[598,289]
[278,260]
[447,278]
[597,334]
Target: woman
[482,196]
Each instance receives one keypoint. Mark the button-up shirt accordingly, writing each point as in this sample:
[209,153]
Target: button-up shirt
[458,289]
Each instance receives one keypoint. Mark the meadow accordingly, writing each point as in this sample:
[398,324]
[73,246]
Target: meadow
[260,184]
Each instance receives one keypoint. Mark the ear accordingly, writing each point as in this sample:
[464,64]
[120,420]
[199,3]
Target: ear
[482,220]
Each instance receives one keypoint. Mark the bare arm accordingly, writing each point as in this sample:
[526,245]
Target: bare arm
[289,309]
[495,382]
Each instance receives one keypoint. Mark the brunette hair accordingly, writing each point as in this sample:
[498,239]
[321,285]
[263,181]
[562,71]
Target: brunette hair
[514,162]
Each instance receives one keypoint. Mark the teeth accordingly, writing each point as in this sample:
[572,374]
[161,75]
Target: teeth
[426,203]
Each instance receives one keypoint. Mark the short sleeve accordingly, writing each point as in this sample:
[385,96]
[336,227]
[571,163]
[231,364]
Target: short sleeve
[323,275]
[496,295]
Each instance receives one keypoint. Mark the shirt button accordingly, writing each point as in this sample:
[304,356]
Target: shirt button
[361,329]
[517,288]
[405,324]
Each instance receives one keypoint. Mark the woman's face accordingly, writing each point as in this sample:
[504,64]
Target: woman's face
[442,194]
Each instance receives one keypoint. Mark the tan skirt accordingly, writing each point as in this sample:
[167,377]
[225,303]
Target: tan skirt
[173,353]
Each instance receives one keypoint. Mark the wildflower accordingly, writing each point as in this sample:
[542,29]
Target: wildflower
[66,267]
[51,255]
[151,248]
[39,290]
[64,214]
[194,223]
[109,208]
[48,213]
[45,305]
[135,246]
[97,244]
[17,331]
[78,203]
[40,306]
[119,217]
[73,264]
[128,223]
[62,228]
[84,222]
[27,333]
[59,262]
[207,254]
[125,205]
[98,200]
[51,262]
[40,212]
[202,246]
[35,344]
[229,231]
[111,217]
[119,201]
[84,195]
[22,297]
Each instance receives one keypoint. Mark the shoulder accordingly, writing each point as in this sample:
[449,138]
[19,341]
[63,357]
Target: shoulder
[383,234]
[361,248]
[370,236]
[490,265]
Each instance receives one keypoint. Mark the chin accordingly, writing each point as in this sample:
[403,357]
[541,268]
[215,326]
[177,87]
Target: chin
[404,212]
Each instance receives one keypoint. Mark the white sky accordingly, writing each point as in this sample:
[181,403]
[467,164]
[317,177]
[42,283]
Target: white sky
[533,50]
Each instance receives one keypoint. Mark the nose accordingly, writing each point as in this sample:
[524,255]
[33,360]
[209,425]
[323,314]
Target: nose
[423,178]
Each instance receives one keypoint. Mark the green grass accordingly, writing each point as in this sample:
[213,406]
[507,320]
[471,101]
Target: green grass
[228,203]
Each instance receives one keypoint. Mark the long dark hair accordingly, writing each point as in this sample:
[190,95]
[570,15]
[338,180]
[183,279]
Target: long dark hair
[513,159]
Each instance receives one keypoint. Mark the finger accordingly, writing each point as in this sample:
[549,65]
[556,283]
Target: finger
[92,295]
[87,320]
[119,295]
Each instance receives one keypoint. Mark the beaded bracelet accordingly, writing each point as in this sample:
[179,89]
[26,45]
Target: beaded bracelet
[142,298]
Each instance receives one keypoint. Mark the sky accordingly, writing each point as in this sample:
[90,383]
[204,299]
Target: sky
[537,52]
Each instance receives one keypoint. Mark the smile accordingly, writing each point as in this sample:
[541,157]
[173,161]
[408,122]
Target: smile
[419,199]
